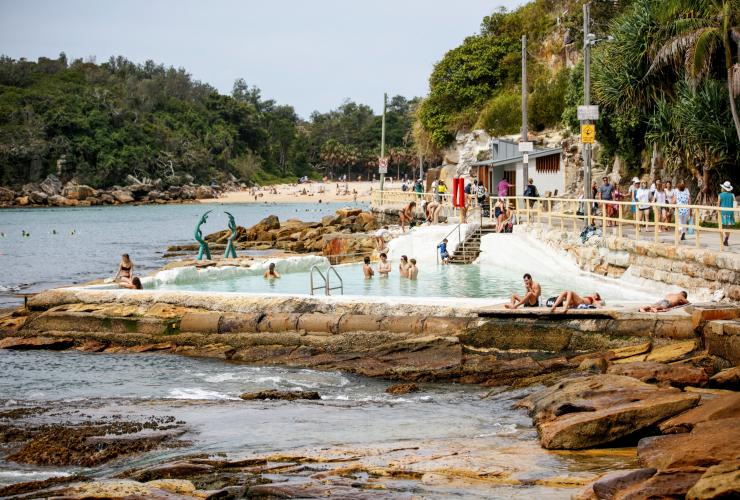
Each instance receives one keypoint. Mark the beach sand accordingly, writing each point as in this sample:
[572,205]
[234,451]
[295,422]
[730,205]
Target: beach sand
[305,193]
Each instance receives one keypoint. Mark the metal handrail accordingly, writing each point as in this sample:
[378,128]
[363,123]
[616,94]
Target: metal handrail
[316,268]
[326,286]
[329,288]
[459,238]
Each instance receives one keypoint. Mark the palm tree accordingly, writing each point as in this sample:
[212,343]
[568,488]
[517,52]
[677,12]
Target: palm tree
[696,29]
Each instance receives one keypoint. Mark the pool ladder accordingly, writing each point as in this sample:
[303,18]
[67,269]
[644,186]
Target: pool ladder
[325,277]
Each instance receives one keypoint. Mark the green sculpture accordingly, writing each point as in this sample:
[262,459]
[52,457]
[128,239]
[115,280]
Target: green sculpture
[230,252]
[199,238]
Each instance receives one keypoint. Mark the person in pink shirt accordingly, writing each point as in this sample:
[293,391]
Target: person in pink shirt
[503,188]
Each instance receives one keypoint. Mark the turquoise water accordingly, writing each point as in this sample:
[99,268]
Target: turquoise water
[74,245]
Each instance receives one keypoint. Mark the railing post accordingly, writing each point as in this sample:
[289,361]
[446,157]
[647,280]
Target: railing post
[696,225]
[621,215]
[676,231]
[719,227]
[656,226]
[603,218]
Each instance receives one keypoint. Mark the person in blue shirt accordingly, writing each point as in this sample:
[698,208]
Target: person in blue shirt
[443,253]
[727,200]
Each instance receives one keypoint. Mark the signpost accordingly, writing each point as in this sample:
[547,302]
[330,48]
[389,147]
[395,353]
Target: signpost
[588,133]
[589,112]
[526,147]
[383,165]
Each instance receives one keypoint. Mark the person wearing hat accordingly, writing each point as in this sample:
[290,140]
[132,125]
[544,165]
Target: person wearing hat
[726,200]
[633,195]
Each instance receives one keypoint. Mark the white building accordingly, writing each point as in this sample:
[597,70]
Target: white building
[545,168]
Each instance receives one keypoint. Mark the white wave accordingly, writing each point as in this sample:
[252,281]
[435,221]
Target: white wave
[197,393]
[18,474]
[192,274]
[273,379]
[222,377]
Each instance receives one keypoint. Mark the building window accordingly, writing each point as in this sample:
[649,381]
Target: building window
[548,164]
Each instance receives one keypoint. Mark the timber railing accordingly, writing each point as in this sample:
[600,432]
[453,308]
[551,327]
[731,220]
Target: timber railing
[615,218]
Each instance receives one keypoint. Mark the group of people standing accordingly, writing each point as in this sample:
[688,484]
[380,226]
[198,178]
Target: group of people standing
[665,195]
[406,267]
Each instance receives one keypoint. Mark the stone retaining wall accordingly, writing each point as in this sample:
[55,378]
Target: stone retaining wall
[699,271]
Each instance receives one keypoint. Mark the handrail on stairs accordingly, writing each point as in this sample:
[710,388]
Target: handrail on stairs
[459,238]
[326,279]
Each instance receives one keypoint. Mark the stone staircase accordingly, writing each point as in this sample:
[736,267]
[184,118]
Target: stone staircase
[469,249]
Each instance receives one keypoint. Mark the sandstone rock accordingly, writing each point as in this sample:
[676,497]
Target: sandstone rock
[284,395]
[122,196]
[719,481]
[725,406]
[652,372]
[348,212]
[57,201]
[6,195]
[32,343]
[671,352]
[78,191]
[37,197]
[204,193]
[22,201]
[174,470]
[162,346]
[629,351]
[709,443]
[664,484]
[180,486]
[727,379]
[92,346]
[115,489]
[399,389]
[220,351]
[608,485]
[590,411]
[598,365]
[51,185]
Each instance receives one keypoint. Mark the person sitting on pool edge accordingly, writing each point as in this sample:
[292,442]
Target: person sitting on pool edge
[384,267]
[271,273]
[532,292]
[569,299]
[413,271]
[403,266]
[366,269]
[670,301]
[134,284]
[443,253]
[125,269]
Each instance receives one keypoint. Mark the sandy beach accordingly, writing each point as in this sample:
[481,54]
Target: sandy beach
[328,192]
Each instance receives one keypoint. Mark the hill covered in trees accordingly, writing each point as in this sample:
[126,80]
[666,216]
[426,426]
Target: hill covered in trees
[97,123]
[665,84]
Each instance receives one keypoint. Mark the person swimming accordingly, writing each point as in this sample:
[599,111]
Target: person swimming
[125,269]
[403,266]
[412,270]
[271,273]
[384,267]
[366,269]
[134,284]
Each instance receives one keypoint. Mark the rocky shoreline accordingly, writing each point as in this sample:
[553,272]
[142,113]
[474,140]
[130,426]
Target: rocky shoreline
[667,398]
[51,192]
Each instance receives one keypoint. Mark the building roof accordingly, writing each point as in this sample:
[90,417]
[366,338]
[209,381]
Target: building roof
[505,152]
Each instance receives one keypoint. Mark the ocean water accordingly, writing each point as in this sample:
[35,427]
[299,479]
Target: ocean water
[353,411]
[75,245]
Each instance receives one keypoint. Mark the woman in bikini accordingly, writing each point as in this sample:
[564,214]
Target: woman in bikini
[406,215]
[125,269]
[403,266]
[569,299]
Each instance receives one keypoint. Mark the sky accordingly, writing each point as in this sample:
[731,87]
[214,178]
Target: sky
[312,54]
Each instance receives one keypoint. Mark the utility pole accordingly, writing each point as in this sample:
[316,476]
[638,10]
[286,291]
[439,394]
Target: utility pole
[587,102]
[382,141]
[525,131]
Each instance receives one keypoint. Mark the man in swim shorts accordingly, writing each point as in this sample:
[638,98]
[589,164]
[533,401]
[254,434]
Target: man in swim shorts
[531,298]
[670,301]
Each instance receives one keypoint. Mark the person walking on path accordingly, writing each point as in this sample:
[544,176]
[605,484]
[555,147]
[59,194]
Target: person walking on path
[531,297]
[683,197]
[605,194]
[642,196]
[659,196]
[503,188]
[726,201]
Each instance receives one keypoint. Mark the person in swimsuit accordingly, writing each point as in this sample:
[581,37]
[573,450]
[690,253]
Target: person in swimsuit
[125,269]
[134,284]
[271,273]
[403,266]
[366,269]
[407,215]
[670,301]
[443,253]
[384,267]
[380,236]
[413,270]
[570,299]
[531,298]
[499,212]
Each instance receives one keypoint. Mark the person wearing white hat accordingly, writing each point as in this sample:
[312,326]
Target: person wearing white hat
[726,200]
[633,193]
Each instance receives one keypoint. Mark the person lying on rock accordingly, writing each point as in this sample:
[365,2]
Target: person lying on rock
[271,273]
[531,298]
[134,284]
[571,299]
[670,301]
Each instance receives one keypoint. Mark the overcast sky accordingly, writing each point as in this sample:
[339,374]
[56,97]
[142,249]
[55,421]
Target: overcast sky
[309,53]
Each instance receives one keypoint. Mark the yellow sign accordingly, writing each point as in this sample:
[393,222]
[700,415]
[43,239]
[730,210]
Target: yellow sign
[588,133]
